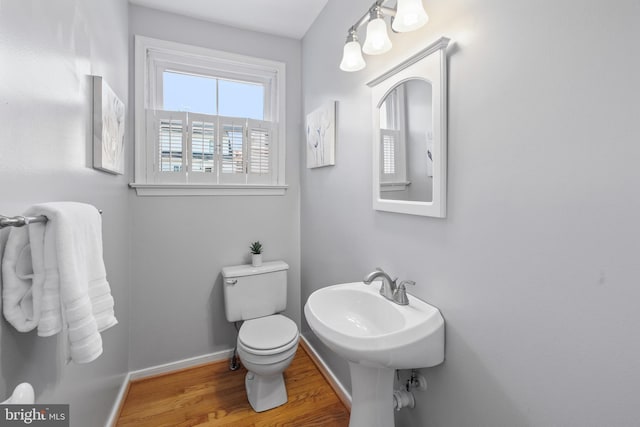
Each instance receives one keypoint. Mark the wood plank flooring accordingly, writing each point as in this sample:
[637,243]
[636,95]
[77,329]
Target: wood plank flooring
[211,395]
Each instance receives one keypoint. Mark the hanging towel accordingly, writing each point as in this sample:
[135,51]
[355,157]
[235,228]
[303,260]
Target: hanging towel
[21,294]
[69,289]
[46,276]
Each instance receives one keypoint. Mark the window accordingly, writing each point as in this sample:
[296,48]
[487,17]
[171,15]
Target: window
[207,122]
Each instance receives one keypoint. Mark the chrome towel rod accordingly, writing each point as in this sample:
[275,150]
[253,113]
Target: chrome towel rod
[20,221]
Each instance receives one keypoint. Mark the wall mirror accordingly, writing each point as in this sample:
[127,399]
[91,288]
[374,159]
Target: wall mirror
[410,134]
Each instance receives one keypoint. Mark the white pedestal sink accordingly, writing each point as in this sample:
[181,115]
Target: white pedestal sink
[377,337]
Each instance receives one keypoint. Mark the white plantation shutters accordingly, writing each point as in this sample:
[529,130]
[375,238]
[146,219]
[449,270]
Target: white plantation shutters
[207,149]
[232,150]
[201,145]
[259,159]
[167,129]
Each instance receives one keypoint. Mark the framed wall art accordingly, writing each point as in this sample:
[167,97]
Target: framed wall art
[321,136]
[108,128]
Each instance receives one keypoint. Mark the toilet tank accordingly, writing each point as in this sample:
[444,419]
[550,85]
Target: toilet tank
[251,292]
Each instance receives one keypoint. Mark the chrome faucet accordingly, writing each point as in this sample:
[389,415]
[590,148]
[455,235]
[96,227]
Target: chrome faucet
[388,284]
[389,290]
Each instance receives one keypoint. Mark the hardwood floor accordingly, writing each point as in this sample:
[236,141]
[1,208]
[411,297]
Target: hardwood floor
[211,395]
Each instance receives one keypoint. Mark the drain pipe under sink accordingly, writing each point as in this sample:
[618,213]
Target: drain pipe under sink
[404,398]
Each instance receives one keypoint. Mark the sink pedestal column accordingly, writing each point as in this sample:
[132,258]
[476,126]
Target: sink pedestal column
[371,396]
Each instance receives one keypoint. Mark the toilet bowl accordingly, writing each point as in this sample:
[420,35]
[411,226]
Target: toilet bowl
[266,347]
[267,341]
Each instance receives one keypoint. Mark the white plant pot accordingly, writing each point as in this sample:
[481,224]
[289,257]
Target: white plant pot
[256,260]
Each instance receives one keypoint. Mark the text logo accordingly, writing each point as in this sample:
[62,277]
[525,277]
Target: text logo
[34,415]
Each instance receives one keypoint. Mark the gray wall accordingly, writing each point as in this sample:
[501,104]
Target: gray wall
[180,244]
[536,266]
[47,51]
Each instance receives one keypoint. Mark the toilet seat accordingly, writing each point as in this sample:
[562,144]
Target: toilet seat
[268,335]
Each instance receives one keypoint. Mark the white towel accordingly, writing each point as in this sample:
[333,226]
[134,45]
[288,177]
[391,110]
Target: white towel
[69,290]
[21,295]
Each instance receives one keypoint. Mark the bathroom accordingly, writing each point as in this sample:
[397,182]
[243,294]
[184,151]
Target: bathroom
[535,271]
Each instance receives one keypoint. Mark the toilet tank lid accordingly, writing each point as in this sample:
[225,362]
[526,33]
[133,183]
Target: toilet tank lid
[249,270]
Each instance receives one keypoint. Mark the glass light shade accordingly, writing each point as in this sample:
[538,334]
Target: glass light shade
[410,15]
[352,59]
[377,41]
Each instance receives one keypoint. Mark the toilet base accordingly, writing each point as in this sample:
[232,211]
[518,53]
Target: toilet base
[265,393]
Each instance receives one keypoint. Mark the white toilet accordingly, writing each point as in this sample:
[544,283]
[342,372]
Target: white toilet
[23,394]
[267,341]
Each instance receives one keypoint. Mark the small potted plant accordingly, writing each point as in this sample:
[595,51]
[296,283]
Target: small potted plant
[256,253]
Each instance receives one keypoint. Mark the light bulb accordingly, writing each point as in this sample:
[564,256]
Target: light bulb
[352,59]
[410,15]
[377,41]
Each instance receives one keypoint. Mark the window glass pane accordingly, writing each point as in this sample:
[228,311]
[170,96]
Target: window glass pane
[237,99]
[186,92]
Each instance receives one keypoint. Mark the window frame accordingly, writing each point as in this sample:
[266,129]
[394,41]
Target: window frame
[152,57]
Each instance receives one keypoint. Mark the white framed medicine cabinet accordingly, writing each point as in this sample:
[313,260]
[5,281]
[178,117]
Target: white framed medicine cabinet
[409,105]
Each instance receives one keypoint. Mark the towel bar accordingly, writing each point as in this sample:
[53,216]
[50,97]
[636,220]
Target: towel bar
[19,221]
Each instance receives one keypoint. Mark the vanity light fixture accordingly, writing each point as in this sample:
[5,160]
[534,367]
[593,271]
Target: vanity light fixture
[408,15]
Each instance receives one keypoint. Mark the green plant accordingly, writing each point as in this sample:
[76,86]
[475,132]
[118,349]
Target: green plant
[256,248]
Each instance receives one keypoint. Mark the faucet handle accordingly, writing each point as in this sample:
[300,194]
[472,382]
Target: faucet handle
[406,282]
[400,294]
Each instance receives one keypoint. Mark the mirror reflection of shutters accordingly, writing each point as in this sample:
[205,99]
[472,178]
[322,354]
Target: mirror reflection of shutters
[389,152]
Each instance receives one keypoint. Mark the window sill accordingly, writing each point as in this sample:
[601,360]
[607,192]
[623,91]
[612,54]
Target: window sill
[394,186]
[207,190]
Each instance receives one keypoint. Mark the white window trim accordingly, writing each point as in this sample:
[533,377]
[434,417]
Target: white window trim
[208,190]
[143,45]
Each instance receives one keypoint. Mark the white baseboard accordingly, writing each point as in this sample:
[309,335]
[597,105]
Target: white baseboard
[181,364]
[333,381]
[159,370]
[115,411]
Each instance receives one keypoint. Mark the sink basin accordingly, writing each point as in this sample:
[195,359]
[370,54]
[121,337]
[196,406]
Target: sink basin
[376,336]
[362,326]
